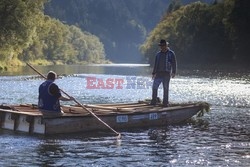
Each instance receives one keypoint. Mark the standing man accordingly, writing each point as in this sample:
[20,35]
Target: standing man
[164,69]
[49,96]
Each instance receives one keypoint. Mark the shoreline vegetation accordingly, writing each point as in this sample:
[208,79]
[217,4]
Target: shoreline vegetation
[43,62]
[204,34]
[201,34]
[28,35]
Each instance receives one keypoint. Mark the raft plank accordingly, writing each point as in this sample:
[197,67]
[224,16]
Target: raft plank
[34,113]
[93,107]
[117,104]
[126,106]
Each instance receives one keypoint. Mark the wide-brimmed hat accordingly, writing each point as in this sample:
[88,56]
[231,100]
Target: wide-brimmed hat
[163,42]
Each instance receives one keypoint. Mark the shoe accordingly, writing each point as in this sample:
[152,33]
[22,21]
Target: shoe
[158,100]
[165,105]
[152,103]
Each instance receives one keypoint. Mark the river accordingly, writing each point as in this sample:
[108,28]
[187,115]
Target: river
[219,138]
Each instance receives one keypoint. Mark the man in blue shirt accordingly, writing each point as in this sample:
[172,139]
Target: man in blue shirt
[49,96]
[164,69]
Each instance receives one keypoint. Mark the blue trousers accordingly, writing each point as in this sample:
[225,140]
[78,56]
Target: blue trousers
[164,79]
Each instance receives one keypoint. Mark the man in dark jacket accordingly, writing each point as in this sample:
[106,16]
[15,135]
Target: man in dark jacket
[49,96]
[164,69]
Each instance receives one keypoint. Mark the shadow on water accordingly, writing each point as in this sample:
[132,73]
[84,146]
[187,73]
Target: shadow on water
[49,153]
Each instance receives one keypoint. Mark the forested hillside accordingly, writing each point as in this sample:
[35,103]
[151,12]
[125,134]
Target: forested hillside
[199,32]
[205,34]
[26,34]
[122,25]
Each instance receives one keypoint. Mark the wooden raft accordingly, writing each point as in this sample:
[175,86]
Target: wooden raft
[27,117]
[98,109]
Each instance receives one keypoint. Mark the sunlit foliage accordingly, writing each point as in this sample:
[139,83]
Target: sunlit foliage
[26,34]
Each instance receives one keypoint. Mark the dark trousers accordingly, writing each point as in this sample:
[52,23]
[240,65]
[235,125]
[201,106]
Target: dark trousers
[164,79]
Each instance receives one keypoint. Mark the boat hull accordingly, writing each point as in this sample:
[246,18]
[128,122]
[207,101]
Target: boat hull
[30,120]
[118,122]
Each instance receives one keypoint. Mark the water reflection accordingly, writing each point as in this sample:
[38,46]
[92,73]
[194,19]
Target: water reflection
[125,69]
[49,153]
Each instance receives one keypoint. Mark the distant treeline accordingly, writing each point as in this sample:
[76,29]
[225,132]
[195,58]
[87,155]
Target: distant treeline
[200,33]
[121,25]
[26,34]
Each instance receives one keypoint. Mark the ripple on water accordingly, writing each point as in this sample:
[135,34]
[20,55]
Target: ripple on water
[220,138]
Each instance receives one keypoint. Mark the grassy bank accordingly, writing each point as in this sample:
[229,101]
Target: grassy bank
[6,65]
[10,66]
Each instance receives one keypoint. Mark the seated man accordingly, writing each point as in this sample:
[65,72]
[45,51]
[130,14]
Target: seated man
[49,96]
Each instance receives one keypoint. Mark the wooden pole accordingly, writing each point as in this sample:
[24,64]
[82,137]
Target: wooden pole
[93,114]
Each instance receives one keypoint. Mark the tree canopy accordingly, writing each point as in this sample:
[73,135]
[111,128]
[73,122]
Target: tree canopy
[204,34]
[122,25]
[26,34]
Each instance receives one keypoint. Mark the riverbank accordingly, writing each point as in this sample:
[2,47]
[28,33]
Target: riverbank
[15,64]
[140,69]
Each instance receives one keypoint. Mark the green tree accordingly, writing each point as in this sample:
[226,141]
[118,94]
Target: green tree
[17,20]
[26,34]
[201,33]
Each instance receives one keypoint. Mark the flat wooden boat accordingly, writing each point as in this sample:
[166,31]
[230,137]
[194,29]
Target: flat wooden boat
[27,118]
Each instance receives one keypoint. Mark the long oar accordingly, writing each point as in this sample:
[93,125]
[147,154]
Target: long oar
[118,134]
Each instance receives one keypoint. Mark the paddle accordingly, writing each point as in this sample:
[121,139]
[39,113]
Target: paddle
[93,114]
